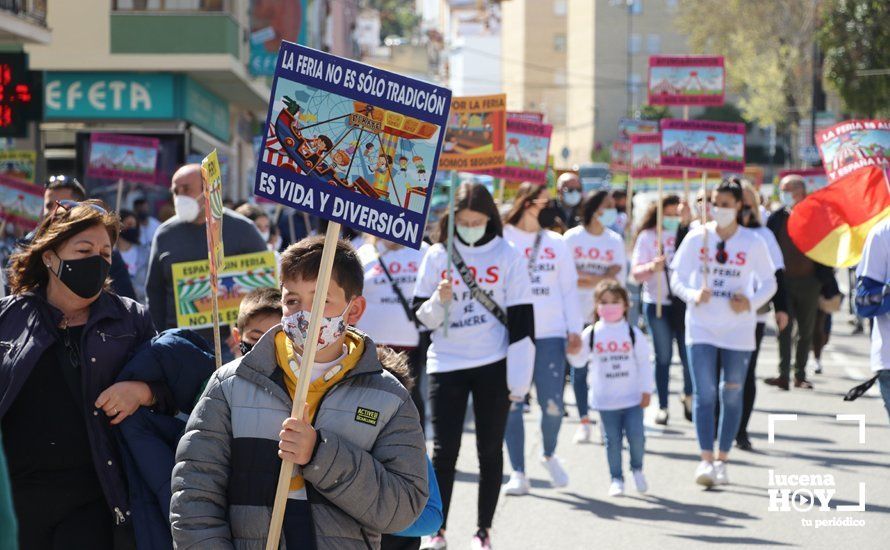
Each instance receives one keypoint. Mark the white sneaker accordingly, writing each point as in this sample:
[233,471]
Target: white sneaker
[435,542]
[517,486]
[616,489]
[704,474]
[582,434]
[558,475]
[818,366]
[481,541]
[720,475]
[640,481]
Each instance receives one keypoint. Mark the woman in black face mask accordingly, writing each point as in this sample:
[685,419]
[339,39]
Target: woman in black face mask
[65,339]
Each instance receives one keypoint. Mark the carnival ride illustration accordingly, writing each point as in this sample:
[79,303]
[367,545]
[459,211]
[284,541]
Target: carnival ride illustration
[851,148]
[707,148]
[690,85]
[469,133]
[360,156]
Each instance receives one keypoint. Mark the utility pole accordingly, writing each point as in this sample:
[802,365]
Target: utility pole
[631,91]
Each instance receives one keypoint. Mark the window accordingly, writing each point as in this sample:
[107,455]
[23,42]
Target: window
[636,81]
[635,6]
[559,8]
[557,114]
[171,5]
[671,4]
[559,77]
[634,43]
[559,42]
[653,43]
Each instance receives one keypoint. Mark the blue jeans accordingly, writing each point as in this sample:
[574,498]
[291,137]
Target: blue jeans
[550,358]
[629,423]
[734,368]
[664,332]
[884,383]
[579,384]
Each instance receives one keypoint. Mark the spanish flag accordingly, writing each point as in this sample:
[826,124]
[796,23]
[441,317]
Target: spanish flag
[830,226]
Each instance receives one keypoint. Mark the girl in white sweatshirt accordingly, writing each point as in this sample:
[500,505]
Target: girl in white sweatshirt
[621,381]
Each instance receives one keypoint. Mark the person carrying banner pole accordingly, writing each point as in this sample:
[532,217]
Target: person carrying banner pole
[659,244]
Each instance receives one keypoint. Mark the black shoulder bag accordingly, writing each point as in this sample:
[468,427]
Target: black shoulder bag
[395,288]
[477,293]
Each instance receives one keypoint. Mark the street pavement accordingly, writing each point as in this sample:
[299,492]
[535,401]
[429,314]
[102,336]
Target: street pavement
[677,513]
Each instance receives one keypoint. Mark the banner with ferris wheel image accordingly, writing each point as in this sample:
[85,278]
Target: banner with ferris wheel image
[686,80]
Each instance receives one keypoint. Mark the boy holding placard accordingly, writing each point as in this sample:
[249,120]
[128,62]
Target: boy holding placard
[360,447]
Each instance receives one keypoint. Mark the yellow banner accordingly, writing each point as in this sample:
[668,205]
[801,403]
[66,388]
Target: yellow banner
[18,164]
[237,277]
[476,135]
[213,211]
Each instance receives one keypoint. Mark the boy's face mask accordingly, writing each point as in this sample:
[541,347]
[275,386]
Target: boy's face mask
[296,326]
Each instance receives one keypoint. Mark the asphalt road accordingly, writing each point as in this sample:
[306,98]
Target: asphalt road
[677,513]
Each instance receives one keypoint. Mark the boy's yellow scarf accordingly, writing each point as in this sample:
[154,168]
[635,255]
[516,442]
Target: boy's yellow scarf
[288,363]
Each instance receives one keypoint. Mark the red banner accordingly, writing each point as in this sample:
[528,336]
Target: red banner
[686,80]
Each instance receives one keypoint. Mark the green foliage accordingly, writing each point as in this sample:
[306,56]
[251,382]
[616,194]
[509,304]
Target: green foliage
[397,17]
[723,113]
[654,112]
[768,51]
[855,36]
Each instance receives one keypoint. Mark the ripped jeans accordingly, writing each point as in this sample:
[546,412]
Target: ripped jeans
[733,369]
[549,376]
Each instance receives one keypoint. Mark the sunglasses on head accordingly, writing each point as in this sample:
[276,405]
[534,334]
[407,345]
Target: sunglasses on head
[61,179]
[70,205]
[721,255]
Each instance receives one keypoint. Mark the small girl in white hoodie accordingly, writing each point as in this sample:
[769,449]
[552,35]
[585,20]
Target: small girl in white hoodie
[620,379]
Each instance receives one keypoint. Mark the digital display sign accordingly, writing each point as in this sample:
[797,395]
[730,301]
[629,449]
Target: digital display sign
[21,96]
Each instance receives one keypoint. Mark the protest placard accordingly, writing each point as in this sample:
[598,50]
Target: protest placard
[814,178]
[619,156]
[528,145]
[118,156]
[213,218]
[852,145]
[645,158]
[703,144]
[238,276]
[528,116]
[351,143]
[686,80]
[476,135]
[18,164]
[21,203]
[630,126]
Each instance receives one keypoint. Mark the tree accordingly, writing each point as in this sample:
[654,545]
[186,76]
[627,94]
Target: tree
[854,37]
[397,17]
[654,112]
[768,51]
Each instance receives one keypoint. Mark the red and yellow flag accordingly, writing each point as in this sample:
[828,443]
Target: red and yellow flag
[830,226]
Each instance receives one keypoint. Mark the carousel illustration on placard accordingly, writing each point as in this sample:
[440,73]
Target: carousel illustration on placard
[352,144]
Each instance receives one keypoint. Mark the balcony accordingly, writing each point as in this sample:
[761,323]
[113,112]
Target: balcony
[174,27]
[24,22]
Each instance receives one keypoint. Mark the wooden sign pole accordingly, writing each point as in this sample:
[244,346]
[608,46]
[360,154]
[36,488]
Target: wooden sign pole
[450,242]
[686,170]
[302,390]
[120,195]
[704,221]
[659,236]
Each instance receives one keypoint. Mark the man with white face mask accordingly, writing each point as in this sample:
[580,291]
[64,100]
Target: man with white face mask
[183,238]
[569,187]
[804,282]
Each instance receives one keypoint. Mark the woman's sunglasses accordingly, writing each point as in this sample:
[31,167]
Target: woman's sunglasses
[721,255]
[70,205]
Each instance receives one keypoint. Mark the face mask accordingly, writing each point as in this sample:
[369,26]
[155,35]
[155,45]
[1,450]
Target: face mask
[186,208]
[670,223]
[84,277]
[296,326]
[131,235]
[571,198]
[610,313]
[244,347]
[787,199]
[723,216]
[265,235]
[547,216]
[470,235]
[608,216]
